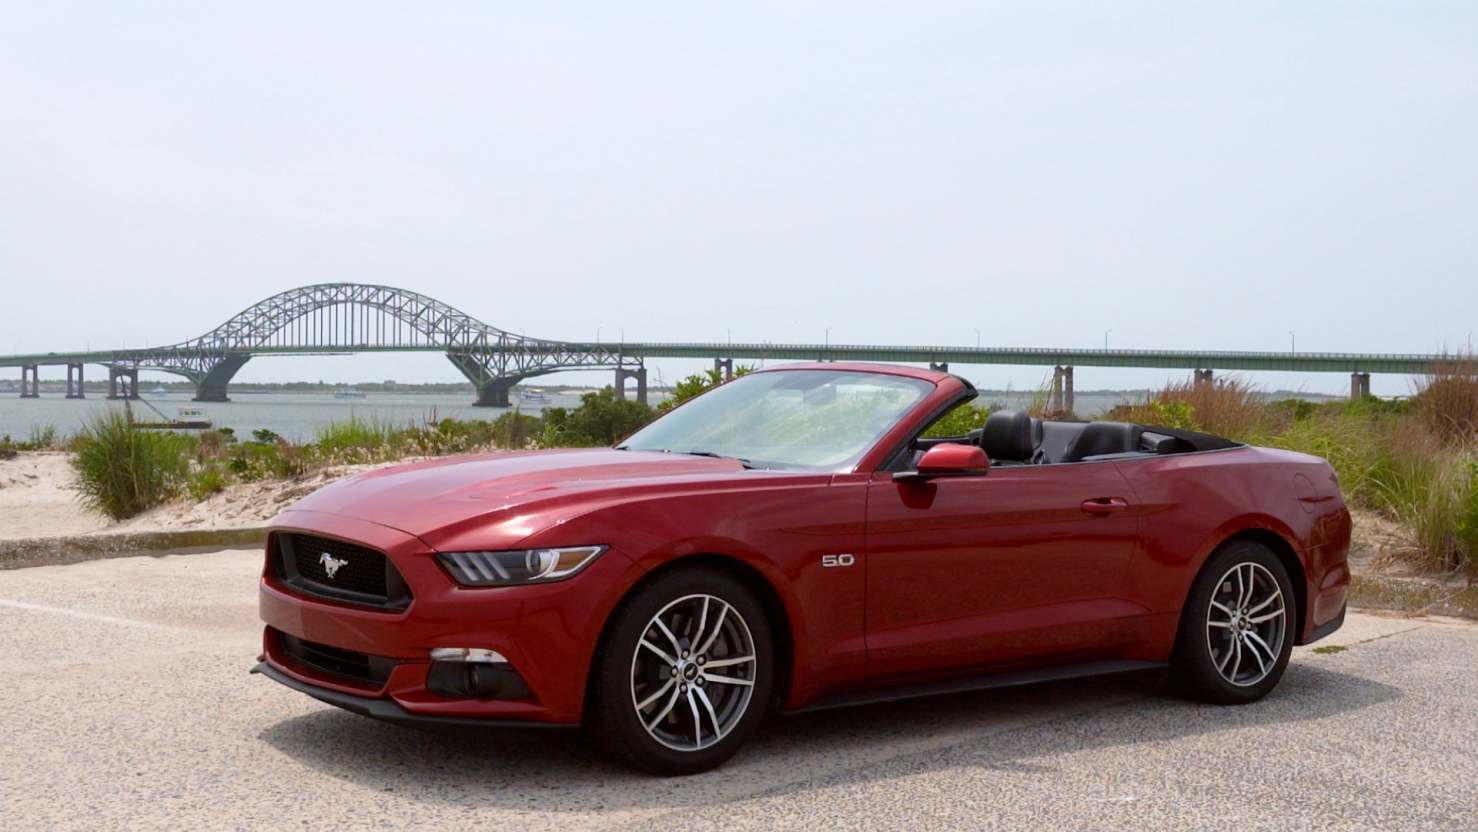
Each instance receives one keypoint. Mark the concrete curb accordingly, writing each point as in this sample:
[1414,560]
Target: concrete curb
[56,551]
[1414,596]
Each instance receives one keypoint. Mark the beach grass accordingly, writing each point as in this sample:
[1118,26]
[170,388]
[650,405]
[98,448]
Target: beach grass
[122,470]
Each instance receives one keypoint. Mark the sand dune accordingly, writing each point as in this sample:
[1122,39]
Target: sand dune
[38,498]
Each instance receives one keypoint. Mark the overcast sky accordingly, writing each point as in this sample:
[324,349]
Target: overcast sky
[1187,175]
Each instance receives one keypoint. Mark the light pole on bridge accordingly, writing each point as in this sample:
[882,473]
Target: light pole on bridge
[1105,339]
[1292,342]
[977,336]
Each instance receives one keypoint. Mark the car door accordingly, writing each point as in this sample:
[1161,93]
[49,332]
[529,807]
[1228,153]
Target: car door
[1020,564]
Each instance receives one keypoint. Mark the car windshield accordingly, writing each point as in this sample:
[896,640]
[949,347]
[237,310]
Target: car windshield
[807,419]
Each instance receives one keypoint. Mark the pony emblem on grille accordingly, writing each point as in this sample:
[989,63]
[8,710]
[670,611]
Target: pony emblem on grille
[330,564]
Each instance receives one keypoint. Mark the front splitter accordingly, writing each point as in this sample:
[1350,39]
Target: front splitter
[387,710]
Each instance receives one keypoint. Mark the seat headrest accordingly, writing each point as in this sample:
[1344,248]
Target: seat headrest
[1008,435]
[1104,438]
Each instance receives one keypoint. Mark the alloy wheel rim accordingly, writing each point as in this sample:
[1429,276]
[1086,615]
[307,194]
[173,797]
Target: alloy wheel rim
[1246,623]
[693,672]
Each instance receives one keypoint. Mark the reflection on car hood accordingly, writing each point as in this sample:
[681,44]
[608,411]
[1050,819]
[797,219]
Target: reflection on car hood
[510,495]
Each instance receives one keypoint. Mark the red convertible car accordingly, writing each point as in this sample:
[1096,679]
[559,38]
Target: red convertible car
[791,541]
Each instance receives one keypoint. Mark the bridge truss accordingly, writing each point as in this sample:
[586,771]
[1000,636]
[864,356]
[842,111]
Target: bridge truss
[330,318]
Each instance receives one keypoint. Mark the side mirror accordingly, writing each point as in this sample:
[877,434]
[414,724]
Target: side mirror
[948,460]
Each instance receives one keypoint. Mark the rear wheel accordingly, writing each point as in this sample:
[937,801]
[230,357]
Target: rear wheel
[684,674]
[1236,631]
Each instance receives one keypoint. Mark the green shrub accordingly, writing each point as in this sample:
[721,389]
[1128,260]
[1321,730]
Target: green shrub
[516,430]
[263,461]
[1297,409]
[363,436]
[1467,528]
[206,481]
[122,470]
[1175,414]
[212,445]
[960,421]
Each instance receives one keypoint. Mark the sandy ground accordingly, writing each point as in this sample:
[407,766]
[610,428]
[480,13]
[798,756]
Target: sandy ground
[128,705]
[37,499]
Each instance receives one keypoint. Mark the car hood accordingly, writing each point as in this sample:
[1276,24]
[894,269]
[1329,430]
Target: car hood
[499,499]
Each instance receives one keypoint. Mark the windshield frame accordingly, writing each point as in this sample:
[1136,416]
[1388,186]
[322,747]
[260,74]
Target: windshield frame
[935,390]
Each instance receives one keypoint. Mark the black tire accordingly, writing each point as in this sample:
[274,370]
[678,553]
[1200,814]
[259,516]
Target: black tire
[1226,653]
[722,706]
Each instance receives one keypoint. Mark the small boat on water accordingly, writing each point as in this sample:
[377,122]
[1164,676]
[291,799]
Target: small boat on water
[186,418]
[349,393]
[159,391]
[533,395]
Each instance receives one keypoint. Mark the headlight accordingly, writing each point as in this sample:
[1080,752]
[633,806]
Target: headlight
[528,566]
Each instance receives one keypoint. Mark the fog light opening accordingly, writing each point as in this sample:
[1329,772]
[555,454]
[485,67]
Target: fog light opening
[474,673]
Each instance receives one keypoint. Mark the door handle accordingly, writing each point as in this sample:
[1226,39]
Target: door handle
[1104,506]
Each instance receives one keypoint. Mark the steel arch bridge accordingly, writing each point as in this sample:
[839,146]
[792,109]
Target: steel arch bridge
[338,318]
[350,317]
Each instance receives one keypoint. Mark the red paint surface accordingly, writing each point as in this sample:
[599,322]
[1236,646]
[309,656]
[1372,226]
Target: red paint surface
[1019,566]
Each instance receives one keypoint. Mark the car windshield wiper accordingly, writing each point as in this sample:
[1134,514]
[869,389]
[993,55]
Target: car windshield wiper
[744,462]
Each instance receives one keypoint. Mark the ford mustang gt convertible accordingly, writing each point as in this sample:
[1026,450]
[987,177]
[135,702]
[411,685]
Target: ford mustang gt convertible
[795,539]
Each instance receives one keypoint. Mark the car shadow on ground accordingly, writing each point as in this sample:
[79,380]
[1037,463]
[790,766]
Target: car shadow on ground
[1017,729]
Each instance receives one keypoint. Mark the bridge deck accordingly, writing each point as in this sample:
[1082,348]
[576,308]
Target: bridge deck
[1312,362]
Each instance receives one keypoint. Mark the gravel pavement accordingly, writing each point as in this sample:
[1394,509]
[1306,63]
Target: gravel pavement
[127,705]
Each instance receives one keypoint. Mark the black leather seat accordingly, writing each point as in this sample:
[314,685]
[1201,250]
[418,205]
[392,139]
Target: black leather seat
[1053,438]
[1100,438]
[1007,435]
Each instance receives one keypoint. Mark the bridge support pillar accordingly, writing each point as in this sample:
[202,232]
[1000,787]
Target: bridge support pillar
[1203,377]
[74,391]
[495,393]
[942,366]
[30,381]
[640,374]
[213,386]
[724,367]
[123,383]
[1061,400]
[1359,385]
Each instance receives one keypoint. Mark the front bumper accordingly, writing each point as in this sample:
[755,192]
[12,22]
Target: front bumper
[548,632]
[386,710]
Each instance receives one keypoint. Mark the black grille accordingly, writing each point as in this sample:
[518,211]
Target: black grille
[360,575]
[333,661]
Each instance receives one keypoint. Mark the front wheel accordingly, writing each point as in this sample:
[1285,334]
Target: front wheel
[1236,631]
[684,674]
